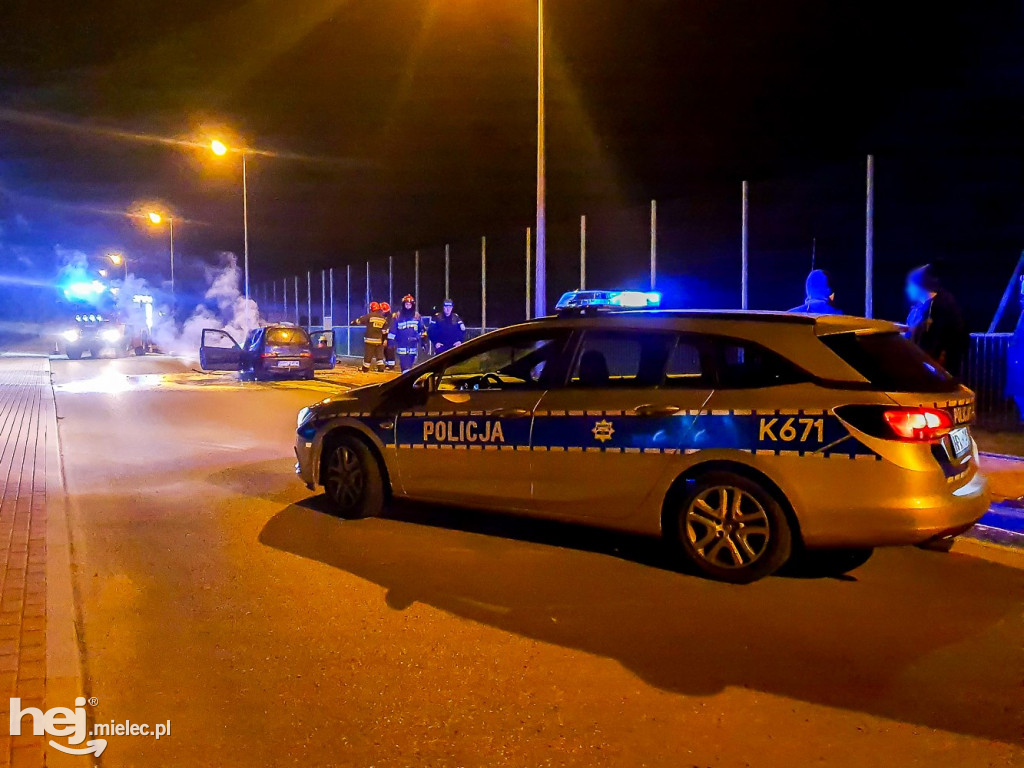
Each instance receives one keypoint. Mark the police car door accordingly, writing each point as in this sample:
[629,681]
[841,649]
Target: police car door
[629,409]
[469,439]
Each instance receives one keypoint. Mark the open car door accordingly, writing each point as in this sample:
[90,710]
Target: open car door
[219,352]
[324,356]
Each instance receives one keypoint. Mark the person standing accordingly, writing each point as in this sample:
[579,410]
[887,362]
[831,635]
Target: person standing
[375,322]
[819,295]
[388,334]
[406,332]
[446,329]
[935,323]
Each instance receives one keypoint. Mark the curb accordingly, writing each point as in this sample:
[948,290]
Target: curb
[993,551]
[63,660]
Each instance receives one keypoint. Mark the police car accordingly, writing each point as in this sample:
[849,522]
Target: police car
[740,437]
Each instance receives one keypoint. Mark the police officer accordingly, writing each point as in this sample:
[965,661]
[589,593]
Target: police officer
[935,323]
[375,322]
[406,332]
[446,329]
[819,295]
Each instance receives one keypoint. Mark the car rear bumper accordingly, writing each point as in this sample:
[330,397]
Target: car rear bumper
[907,516]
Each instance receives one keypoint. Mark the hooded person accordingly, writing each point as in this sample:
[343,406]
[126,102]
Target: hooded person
[446,329]
[819,295]
[405,330]
[375,322]
[935,323]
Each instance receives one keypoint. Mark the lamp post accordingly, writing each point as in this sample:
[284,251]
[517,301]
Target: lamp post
[156,219]
[220,149]
[540,280]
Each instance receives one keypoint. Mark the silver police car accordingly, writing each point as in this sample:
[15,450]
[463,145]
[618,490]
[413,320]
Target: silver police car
[740,437]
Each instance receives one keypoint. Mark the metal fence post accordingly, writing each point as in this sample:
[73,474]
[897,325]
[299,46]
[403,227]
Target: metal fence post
[296,299]
[583,252]
[529,253]
[391,280]
[869,241]
[654,244]
[447,271]
[367,285]
[416,278]
[744,247]
[309,298]
[331,272]
[348,310]
[483,285]
[323,298]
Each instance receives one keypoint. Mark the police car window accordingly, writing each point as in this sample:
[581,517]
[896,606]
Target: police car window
[621,359]
[890,362]
[745,365]
[516,364]
[685,367]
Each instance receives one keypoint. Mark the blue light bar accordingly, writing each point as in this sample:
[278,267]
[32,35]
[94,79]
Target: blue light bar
[608,299]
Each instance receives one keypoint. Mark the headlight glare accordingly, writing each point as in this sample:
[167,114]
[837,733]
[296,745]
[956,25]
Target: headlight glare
[72,334]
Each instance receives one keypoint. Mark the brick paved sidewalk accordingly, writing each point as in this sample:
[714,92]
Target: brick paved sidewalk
[26,405]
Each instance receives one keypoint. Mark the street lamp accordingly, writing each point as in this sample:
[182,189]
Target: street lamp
[117,259]
[220,149]
[540,279]
[155,218]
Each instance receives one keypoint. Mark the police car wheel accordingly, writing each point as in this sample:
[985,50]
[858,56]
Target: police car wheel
[731,529]
[352,479]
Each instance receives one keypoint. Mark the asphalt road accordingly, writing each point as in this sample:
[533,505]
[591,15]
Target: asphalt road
[216,593]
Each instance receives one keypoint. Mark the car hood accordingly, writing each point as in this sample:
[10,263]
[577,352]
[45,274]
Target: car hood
[358,399]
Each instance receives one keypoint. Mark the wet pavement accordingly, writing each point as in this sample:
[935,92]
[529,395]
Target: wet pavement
[217,593]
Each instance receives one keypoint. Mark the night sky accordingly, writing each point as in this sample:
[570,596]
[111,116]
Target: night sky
[411,123]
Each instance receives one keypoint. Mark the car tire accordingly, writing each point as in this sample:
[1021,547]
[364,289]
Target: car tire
[94,354]
[352,478]
[74,354]
[730,528]
[309,375]
[140,351]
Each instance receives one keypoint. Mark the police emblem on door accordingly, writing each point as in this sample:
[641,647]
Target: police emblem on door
[603,431]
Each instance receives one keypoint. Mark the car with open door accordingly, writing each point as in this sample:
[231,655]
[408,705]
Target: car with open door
[268,352]
[742,438]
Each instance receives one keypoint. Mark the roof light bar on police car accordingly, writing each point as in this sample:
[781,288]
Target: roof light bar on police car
[608,300]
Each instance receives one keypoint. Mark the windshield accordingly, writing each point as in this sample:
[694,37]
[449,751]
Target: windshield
[890,362]
[287,337]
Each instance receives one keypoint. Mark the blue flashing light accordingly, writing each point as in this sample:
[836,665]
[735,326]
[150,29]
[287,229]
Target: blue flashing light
[609,299]
[84,291]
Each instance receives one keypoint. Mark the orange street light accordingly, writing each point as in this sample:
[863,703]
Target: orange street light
[155,217]
[220,148]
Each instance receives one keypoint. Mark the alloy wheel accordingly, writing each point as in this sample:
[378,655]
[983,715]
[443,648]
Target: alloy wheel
[727,527]
[346,481]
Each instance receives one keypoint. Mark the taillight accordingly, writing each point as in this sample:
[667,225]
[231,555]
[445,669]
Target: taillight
[269,354]
[917,424]
[305,354]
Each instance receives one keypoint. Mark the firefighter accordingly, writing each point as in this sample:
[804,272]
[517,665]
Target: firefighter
[446,329]
[375,322]
[388,334]
[406,332]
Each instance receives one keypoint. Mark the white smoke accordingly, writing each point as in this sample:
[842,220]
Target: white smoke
[231,313]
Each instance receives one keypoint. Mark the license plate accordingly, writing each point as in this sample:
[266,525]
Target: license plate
[287,363]
[961,440]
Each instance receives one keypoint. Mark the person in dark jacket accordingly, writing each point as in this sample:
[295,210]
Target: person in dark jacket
[388,333]
[405,329]
[819,295]
[446,329]
[375,322]
[935,323]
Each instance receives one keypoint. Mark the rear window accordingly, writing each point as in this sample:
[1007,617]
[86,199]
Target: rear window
[287,337]
[890,362]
